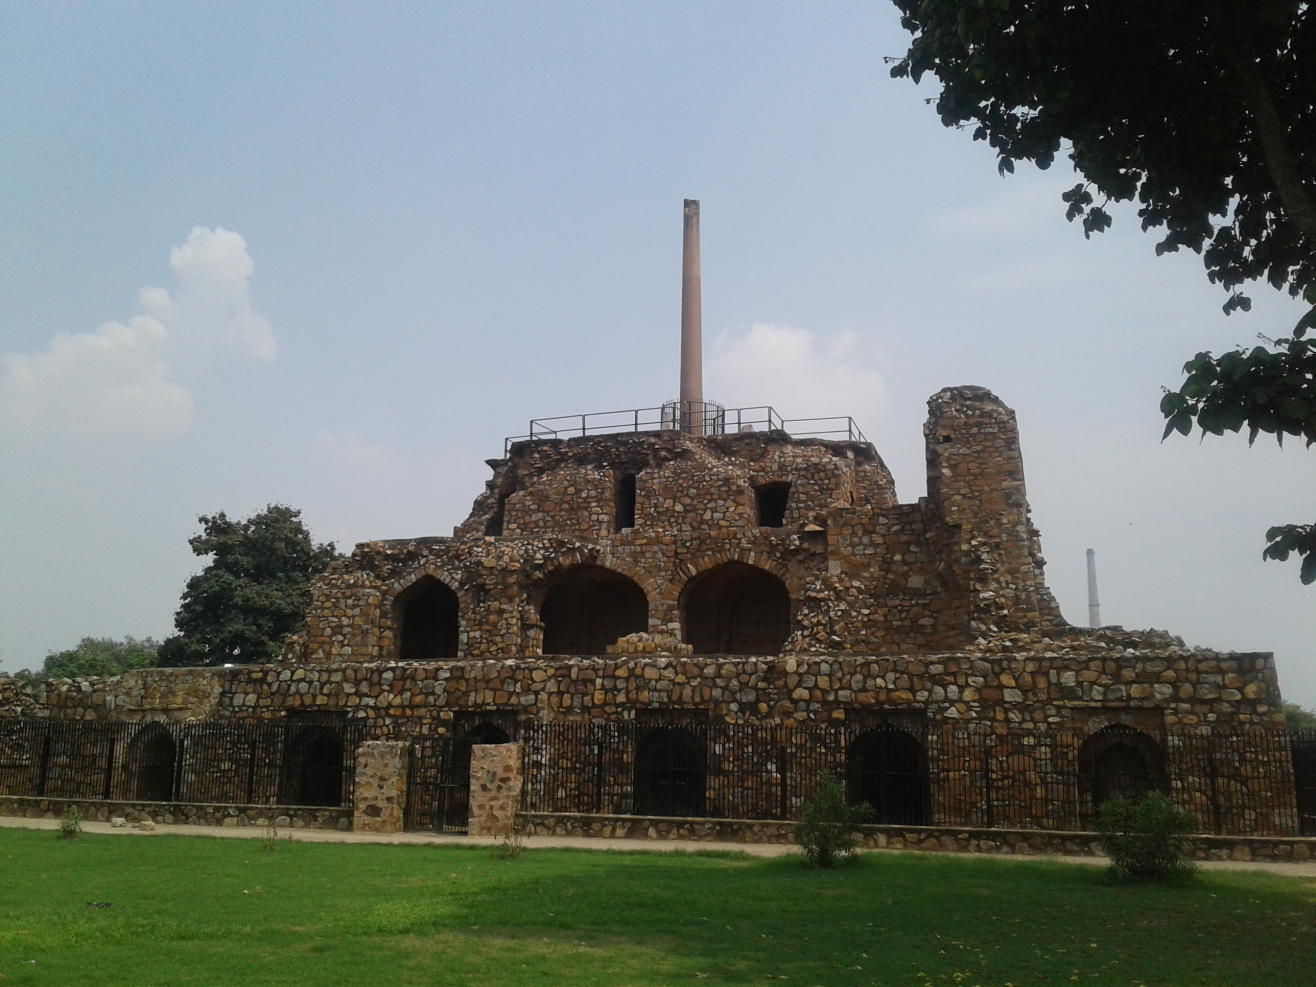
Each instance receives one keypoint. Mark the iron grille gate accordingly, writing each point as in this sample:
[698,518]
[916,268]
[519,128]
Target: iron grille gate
[439,785]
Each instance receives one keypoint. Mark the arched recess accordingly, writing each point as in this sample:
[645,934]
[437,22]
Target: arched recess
[887,767]
[1120,761]
[154,760]
[427,618]
[482,733]
[313,768]
[670,773]
[736,609]
[586,608]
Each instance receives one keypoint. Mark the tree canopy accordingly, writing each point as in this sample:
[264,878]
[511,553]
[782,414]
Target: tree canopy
[98,656]
[1203,112]
[252,593]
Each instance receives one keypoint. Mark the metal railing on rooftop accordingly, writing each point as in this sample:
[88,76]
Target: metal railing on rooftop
[704,418]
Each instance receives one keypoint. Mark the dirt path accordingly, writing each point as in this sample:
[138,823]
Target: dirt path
[1303,870]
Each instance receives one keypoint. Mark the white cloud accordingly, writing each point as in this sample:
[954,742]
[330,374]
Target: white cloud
[213,302]
[92,383]
[803,374]
[118,379]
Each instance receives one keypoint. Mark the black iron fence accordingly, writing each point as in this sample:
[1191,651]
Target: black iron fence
[307,761]
[1239,781]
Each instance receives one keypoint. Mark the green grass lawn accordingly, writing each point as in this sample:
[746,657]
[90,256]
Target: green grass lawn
[187,910]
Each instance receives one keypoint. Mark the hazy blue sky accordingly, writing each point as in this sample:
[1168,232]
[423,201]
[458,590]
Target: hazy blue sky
[329,255]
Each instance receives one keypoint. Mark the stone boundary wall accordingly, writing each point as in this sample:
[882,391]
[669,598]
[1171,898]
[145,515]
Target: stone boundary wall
[934,838]
[1172,694]
[1070,685]
[182,813]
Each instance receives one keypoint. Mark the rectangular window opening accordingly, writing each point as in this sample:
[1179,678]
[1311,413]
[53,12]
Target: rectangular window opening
[770,500]
[624,504]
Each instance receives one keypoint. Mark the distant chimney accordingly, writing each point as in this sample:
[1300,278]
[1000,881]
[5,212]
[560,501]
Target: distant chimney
[692,340]
[1094,605]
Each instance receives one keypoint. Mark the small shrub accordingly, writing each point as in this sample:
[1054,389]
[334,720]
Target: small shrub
[828,830]
[513,843]
[270,838]
[70,824]
[1147,838]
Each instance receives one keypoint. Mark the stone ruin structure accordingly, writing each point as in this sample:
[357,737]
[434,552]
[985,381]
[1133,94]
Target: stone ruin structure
[684,625]
[681,623]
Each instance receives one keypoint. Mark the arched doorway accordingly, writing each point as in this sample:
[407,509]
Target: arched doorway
[426,615]
[736,609]
[313,768]
[588,608]
[887,768]
[669,773]
[1120,762]
[154,759]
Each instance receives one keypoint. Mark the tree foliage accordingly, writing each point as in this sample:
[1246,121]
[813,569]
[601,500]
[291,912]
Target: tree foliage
[252,593]
[1299,717]
[1203,112]
[95,656]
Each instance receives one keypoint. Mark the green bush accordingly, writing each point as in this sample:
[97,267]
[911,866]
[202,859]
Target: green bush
[70,824]
[1147,838]
[828,830]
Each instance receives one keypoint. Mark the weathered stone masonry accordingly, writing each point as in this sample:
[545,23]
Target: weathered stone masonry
[747,579]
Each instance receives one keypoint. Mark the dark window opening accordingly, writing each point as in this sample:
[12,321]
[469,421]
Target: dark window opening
[770,501]
[886,768]
[1120,762]
[736,609]
[427,615]
[313,768]
[669,773]
[624,505]
[589,608]
[155,760]
[494,526]
[944,437]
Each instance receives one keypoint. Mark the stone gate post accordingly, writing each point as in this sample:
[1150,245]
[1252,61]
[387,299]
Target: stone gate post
[380,786]
[495,788]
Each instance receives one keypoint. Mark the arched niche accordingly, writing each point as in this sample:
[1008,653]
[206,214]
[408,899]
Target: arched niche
[427,620]
[887,768]
[313,768]
[670,773]
[588,607]
[1120,762]
[153,758]
[736,609]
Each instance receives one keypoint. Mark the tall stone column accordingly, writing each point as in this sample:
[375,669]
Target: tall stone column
[692,338]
